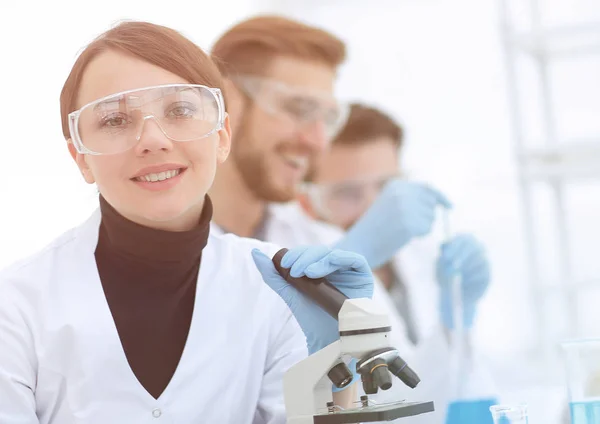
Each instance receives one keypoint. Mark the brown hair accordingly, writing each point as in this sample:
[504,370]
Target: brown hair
[248,46]
[367,123]
[155,44]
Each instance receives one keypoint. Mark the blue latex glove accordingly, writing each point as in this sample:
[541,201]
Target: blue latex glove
[347,271]
[402,211]
[465,256]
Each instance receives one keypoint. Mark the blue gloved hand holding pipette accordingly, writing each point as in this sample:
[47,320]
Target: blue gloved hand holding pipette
[403,211]
[465,257]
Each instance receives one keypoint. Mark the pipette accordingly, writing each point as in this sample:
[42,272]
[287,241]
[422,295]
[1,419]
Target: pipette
[458,335]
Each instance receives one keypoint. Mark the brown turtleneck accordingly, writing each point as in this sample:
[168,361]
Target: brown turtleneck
[149,278]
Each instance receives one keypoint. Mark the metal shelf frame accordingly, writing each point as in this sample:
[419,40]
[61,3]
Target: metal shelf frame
[558,162]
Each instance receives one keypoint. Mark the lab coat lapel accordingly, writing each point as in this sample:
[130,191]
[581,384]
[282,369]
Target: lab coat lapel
[97,333]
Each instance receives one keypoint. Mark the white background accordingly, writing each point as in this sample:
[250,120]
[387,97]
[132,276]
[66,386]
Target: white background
[435,65]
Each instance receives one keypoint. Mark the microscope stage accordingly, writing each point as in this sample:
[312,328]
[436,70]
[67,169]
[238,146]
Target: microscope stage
[375,413]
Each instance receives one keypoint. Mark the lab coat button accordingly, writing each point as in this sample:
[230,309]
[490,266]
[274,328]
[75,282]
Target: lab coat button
[156,413]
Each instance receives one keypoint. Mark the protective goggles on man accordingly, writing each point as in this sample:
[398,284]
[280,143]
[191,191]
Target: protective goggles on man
[295,103]
[114,124]
[347,199]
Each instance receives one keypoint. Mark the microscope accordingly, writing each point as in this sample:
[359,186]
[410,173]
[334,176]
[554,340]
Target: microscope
[364,335]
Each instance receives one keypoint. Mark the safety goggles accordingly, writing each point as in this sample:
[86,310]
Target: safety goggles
[114,124]
[297,104]
[348,199]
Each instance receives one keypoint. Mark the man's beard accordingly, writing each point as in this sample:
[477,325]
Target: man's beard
[253,166]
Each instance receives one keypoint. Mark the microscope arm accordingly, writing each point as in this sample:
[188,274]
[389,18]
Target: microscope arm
[307,388]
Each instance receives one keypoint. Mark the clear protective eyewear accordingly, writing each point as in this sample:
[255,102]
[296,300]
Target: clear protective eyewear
[300,105]
[346,199]
[115,123]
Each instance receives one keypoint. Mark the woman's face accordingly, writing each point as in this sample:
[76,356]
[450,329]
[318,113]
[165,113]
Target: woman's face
[122,179]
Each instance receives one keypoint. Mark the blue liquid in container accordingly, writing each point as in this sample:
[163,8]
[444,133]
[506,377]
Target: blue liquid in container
[473,411]
[585,412]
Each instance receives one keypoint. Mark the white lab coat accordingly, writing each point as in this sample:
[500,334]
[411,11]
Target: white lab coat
[289,226]
[61,360]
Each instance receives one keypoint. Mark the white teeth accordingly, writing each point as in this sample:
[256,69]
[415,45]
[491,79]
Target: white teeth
[295,160]
[161,176]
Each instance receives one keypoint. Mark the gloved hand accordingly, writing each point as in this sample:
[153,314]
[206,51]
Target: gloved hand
[347,271]
[463,256]
[402,211]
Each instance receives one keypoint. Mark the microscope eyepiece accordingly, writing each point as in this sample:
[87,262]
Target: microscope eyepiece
[319,290]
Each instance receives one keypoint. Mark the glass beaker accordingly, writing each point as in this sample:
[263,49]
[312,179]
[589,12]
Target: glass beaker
[582,358]
[504,414]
